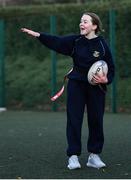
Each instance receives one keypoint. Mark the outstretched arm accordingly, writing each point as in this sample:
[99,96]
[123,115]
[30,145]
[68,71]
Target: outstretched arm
[60,44]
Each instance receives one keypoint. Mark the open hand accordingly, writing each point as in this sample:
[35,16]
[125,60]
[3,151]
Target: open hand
[30,32]
[100,79]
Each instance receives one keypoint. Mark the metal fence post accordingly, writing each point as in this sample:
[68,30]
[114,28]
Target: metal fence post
[2,70]
[112,23]
[53,62]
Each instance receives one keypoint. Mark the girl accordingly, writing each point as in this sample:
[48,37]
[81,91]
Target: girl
[85,49]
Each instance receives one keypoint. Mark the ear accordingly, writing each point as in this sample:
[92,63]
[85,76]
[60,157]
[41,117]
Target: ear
[94,27]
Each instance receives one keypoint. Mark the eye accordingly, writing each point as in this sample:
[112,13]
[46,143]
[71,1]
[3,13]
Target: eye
[84,21]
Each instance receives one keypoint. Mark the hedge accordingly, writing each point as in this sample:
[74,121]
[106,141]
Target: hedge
[28,63]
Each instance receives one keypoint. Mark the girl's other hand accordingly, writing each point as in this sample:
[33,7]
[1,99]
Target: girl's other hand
[100,79]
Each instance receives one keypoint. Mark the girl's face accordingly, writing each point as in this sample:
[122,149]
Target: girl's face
[86,25]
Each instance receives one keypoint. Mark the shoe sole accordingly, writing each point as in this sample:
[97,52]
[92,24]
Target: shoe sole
[91,165]
[77,167]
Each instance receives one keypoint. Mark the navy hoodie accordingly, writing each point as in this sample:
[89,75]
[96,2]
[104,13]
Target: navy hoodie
[83,51]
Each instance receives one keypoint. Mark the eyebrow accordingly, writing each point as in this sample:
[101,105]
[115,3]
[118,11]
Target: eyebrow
[84,20]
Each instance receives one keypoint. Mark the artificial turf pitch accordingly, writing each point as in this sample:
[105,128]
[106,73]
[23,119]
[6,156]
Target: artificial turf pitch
[33,146]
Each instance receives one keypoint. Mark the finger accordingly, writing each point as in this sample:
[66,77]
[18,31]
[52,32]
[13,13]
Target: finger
[24,30]
[96,77]
[95,81]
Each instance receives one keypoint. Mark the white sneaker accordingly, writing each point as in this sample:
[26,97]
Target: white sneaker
[73,162]
[95,161]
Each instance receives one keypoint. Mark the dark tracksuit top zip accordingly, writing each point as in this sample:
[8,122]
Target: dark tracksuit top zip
[80,93]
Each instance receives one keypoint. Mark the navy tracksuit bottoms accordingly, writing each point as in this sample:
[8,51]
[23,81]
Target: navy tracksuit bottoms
[79,95]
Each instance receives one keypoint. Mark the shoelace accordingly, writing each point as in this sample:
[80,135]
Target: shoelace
[73,159]
[95,156]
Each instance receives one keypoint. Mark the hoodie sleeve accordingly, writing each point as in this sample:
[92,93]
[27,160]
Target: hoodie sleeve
[60,44]
[111,66]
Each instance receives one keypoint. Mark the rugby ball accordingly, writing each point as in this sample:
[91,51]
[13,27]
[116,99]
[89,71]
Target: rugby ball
[98,68]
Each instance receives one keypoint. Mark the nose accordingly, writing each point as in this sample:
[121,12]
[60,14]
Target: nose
[81,24]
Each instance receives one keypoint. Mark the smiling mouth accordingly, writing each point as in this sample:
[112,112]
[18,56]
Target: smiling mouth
[82,29]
